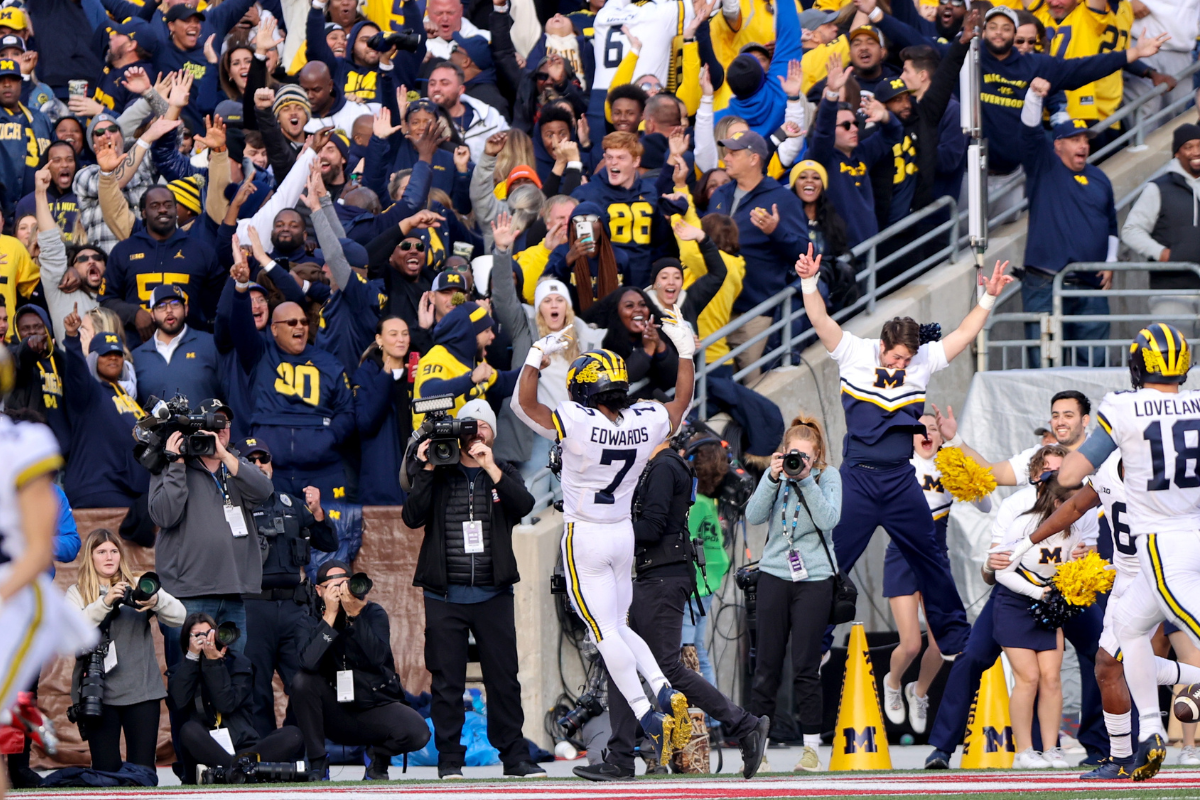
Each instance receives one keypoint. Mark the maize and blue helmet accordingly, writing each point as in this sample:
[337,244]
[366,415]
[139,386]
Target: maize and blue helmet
[596,372]
[1159,354]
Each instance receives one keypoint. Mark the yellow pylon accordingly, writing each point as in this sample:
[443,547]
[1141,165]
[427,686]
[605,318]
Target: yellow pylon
[860,740]
[989,743]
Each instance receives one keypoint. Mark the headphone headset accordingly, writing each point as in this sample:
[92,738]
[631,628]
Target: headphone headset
[689,451]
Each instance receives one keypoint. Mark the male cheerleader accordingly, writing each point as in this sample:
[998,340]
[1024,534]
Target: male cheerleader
[1156,428]
[883,394]
[1106,489]
[606,440]
[36,621]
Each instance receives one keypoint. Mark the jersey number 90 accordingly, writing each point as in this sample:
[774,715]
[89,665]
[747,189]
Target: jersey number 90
[303,381]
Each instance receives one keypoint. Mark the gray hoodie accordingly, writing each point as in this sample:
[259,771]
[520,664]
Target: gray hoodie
[196,553]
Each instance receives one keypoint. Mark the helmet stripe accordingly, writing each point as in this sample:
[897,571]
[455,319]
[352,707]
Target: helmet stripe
[1171,367]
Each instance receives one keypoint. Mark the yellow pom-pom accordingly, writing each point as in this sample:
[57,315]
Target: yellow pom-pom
[457,299]
[1080,581]
[962,476]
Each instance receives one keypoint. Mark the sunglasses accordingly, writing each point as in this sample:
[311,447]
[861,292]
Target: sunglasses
[1025,41]
[85,257]
[259,458]
[649,86]
[412,245]
[847,125]
[541,77]
[106,131]
[291,323]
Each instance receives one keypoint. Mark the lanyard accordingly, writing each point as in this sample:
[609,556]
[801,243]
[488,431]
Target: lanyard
[137,411]
[220,482]
[790,534]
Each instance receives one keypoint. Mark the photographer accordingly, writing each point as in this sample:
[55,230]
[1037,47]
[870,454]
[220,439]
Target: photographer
[663,590]
[347,688]
[802,500]
[467,568]
[211,685]
[208,551]
[131,685]
[278,619]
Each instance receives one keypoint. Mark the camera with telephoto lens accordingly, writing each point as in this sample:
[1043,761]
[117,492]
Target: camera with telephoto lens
[142,590]
[227,634]
[359,585]
[404,39]
[90,707]
[247,769]
[794,462]
[167,417]
[586,707]
[446,435]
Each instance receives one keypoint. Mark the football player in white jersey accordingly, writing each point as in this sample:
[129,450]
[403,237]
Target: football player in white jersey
[1106,490]
[883,393]
[1156,428]
[35,620]
[606,440]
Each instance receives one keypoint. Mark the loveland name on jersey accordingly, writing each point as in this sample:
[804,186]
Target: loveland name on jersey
[1169,407]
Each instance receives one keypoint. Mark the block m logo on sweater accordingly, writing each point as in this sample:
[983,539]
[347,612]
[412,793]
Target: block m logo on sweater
[888,379]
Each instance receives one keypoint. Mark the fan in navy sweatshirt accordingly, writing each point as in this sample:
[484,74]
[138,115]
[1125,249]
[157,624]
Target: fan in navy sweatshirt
[348,318]
[772,226]
[300,395]
[1072,217]
[359,70]
[836,146]
[382,395]
[99,391]
[161,253]
[1007,73]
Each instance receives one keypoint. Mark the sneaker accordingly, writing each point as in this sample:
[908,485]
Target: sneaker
[1056,757]
[918,708]
[1150,755]
[602,772]
[1189,757]
[672,703]
[763,766]
[318,769]
[938,759]
[1110,769]
[525,769]
[809,761]
[1070,745]
[22,777]
[1092,760]
[893,702]
[659,730]
[450,773]
[754,747]
[1030,759]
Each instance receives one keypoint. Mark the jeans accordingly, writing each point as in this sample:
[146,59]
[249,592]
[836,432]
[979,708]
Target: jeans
[222,608]
[695,633]
[1037,295]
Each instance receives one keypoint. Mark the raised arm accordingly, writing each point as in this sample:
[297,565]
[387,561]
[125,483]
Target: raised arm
[675,328]
[526,405]
[809,270]
[972,324]
[1067,514]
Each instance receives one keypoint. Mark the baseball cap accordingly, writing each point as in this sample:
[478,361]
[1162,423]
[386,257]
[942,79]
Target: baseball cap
[250,446]
[449,281]
[330,27]
[12,40]
[478,410]
[755,47]
[866,30]
[1072,127]
[889,89]
[129,27]
[14,18]
[214,404]
[105,343]
[1183,135]
[747,140]
[477,48]
[1003,11]
[167,291]
[813,18]
[10,67]
[324,570]
[183,11]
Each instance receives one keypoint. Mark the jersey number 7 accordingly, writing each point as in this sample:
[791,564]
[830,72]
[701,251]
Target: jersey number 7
[604,497]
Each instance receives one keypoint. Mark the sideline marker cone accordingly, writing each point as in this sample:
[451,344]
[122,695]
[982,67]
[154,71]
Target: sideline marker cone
[859,740]
[989,742]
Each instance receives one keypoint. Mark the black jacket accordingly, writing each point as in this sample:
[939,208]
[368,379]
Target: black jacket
[660,510]
[223,688]
[290,533]
[362,644]
[501,505]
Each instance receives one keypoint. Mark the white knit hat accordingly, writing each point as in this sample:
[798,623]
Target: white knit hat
[479,410]
[546,288]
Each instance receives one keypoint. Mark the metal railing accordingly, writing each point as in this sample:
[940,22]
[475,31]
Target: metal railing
[1052,348]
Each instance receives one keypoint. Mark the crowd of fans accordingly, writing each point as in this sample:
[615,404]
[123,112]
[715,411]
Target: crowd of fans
[303,216]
